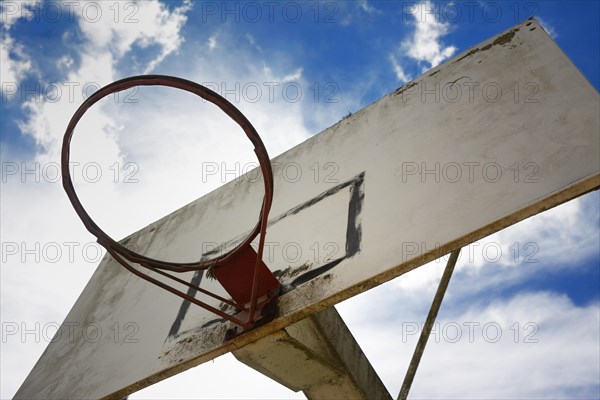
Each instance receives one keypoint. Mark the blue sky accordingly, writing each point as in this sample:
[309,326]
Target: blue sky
[297,68]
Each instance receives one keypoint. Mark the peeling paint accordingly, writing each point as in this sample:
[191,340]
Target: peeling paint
[505,38]
[403,88]
[291,272]
[499,41]
[468,54]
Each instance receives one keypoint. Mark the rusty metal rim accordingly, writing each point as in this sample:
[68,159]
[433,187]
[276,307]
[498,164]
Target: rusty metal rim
[207,94]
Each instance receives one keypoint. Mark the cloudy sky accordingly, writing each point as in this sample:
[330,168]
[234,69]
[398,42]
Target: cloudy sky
[521,318]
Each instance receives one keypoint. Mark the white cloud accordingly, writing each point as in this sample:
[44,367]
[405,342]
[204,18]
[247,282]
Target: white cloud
[106,42]
[291,77]
[252,40]
[533,345]
[400,74]
[15,63]
[553,343]
[249,384]
[12,70]
[352,12]
[144,23]
[12,11]
[548,28]
[65,62]
[212,42]
[424,45]
[366,7]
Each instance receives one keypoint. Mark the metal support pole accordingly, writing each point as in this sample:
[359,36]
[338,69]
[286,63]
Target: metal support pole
[433,311]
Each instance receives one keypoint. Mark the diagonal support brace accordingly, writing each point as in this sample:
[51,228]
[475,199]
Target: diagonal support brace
[433,311]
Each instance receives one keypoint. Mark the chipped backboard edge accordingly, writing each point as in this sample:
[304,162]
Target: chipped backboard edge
[288,309]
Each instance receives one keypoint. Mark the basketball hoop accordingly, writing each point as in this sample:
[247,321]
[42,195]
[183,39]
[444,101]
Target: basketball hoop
[255,300]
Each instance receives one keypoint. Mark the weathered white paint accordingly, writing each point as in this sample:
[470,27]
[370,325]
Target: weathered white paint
[559,134]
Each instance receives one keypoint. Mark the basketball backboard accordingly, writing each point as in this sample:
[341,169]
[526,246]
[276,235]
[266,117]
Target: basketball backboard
[499,133]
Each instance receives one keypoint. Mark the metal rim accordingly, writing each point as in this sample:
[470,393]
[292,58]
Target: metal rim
[205,93]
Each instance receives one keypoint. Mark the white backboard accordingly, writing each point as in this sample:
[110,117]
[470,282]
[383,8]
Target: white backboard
[499,133]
